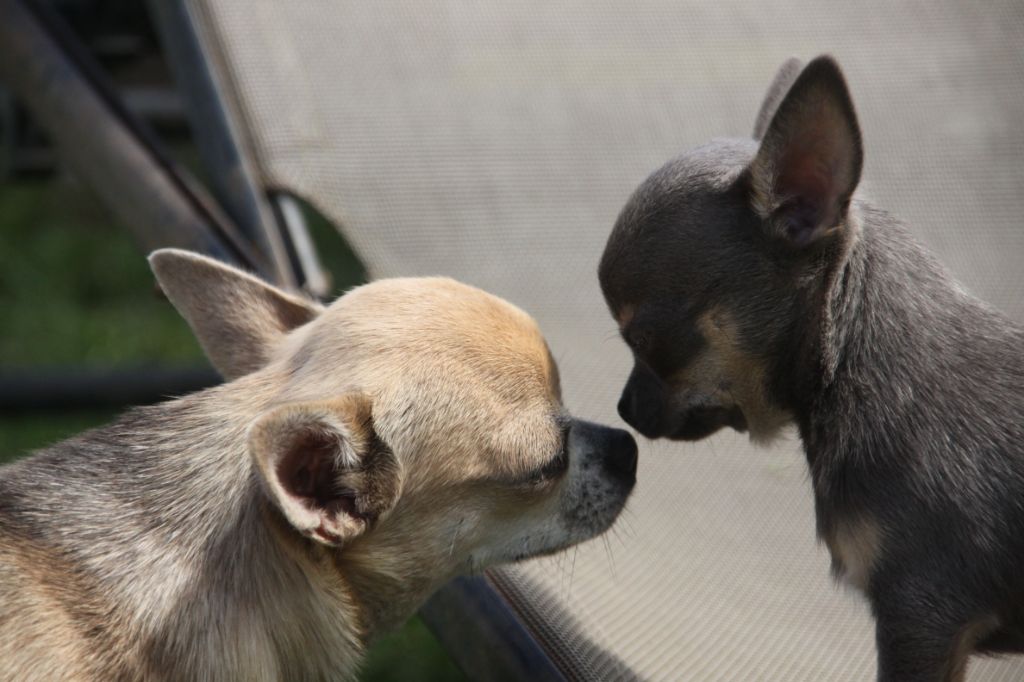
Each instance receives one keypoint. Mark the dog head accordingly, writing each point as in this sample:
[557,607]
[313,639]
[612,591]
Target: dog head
[414,427]
[720,255]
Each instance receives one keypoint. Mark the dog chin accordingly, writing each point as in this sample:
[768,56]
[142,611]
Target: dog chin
[578,537]
[701,422]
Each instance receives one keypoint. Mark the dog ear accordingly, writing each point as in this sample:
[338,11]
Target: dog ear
[784,78]
[237,318]
[810,158]
[325,468]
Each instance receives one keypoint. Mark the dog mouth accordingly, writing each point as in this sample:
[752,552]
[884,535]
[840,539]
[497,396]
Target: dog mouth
[701,422]
[586,523]
[738,420]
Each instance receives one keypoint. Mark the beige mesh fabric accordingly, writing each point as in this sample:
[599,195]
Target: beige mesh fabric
[496,141]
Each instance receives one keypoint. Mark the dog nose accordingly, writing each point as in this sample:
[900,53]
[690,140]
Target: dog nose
[622,454]
[625,407]
[613,450]
[645,418]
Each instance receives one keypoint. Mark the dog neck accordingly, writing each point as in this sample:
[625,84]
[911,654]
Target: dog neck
[379,584]
[900,352]
[165,510]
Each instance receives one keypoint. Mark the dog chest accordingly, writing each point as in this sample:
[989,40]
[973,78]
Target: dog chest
[854,544]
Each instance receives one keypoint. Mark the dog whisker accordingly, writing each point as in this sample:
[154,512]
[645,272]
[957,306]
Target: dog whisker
[611,558]
[572,572]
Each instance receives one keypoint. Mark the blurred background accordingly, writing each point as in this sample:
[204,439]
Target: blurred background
[84,332]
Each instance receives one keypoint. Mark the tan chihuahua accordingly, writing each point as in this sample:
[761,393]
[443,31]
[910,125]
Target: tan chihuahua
[360,455]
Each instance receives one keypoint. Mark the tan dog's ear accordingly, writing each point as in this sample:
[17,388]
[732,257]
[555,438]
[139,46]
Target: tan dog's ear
[237,318]
[325,468]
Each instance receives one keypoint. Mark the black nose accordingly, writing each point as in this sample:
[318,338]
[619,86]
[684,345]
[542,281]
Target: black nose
[625,407]
[640,405]
[620,460]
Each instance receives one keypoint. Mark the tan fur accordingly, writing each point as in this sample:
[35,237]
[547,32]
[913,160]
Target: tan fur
[256,322]
[854,546]
[726,375]
[40,596]
[433,403]
[965,644]
[624,315]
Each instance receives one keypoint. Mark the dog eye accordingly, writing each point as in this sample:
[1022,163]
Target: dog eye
[557,465]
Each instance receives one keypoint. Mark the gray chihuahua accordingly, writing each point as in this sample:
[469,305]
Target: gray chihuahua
[757,289]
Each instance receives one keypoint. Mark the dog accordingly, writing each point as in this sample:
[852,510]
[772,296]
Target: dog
[359,456]
[756,288]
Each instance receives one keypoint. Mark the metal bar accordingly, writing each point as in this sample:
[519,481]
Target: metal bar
[74,388]
[316,280]
[102,145]
[484,636]
[221,140]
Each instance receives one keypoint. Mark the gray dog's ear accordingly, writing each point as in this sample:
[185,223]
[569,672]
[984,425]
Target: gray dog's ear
[238,319]
[784,79]
[810,158]
[325,468]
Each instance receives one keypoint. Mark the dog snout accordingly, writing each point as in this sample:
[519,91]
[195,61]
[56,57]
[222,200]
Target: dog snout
[625,407]
[613,450]
[641,405]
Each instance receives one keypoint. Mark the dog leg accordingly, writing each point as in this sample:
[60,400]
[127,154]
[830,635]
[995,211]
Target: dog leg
[919,638]
[909,652]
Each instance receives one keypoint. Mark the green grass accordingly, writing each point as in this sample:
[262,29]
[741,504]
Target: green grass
[75,290]
[24,433]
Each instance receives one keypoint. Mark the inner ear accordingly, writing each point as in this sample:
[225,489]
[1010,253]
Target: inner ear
[325,468]
[810,158]
[312,472]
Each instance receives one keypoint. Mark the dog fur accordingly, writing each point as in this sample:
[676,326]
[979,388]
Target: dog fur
[359,456]
[756,288]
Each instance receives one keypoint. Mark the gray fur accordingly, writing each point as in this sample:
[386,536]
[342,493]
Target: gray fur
[783,80]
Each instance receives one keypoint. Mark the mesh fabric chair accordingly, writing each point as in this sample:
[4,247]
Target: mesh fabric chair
[496,141]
